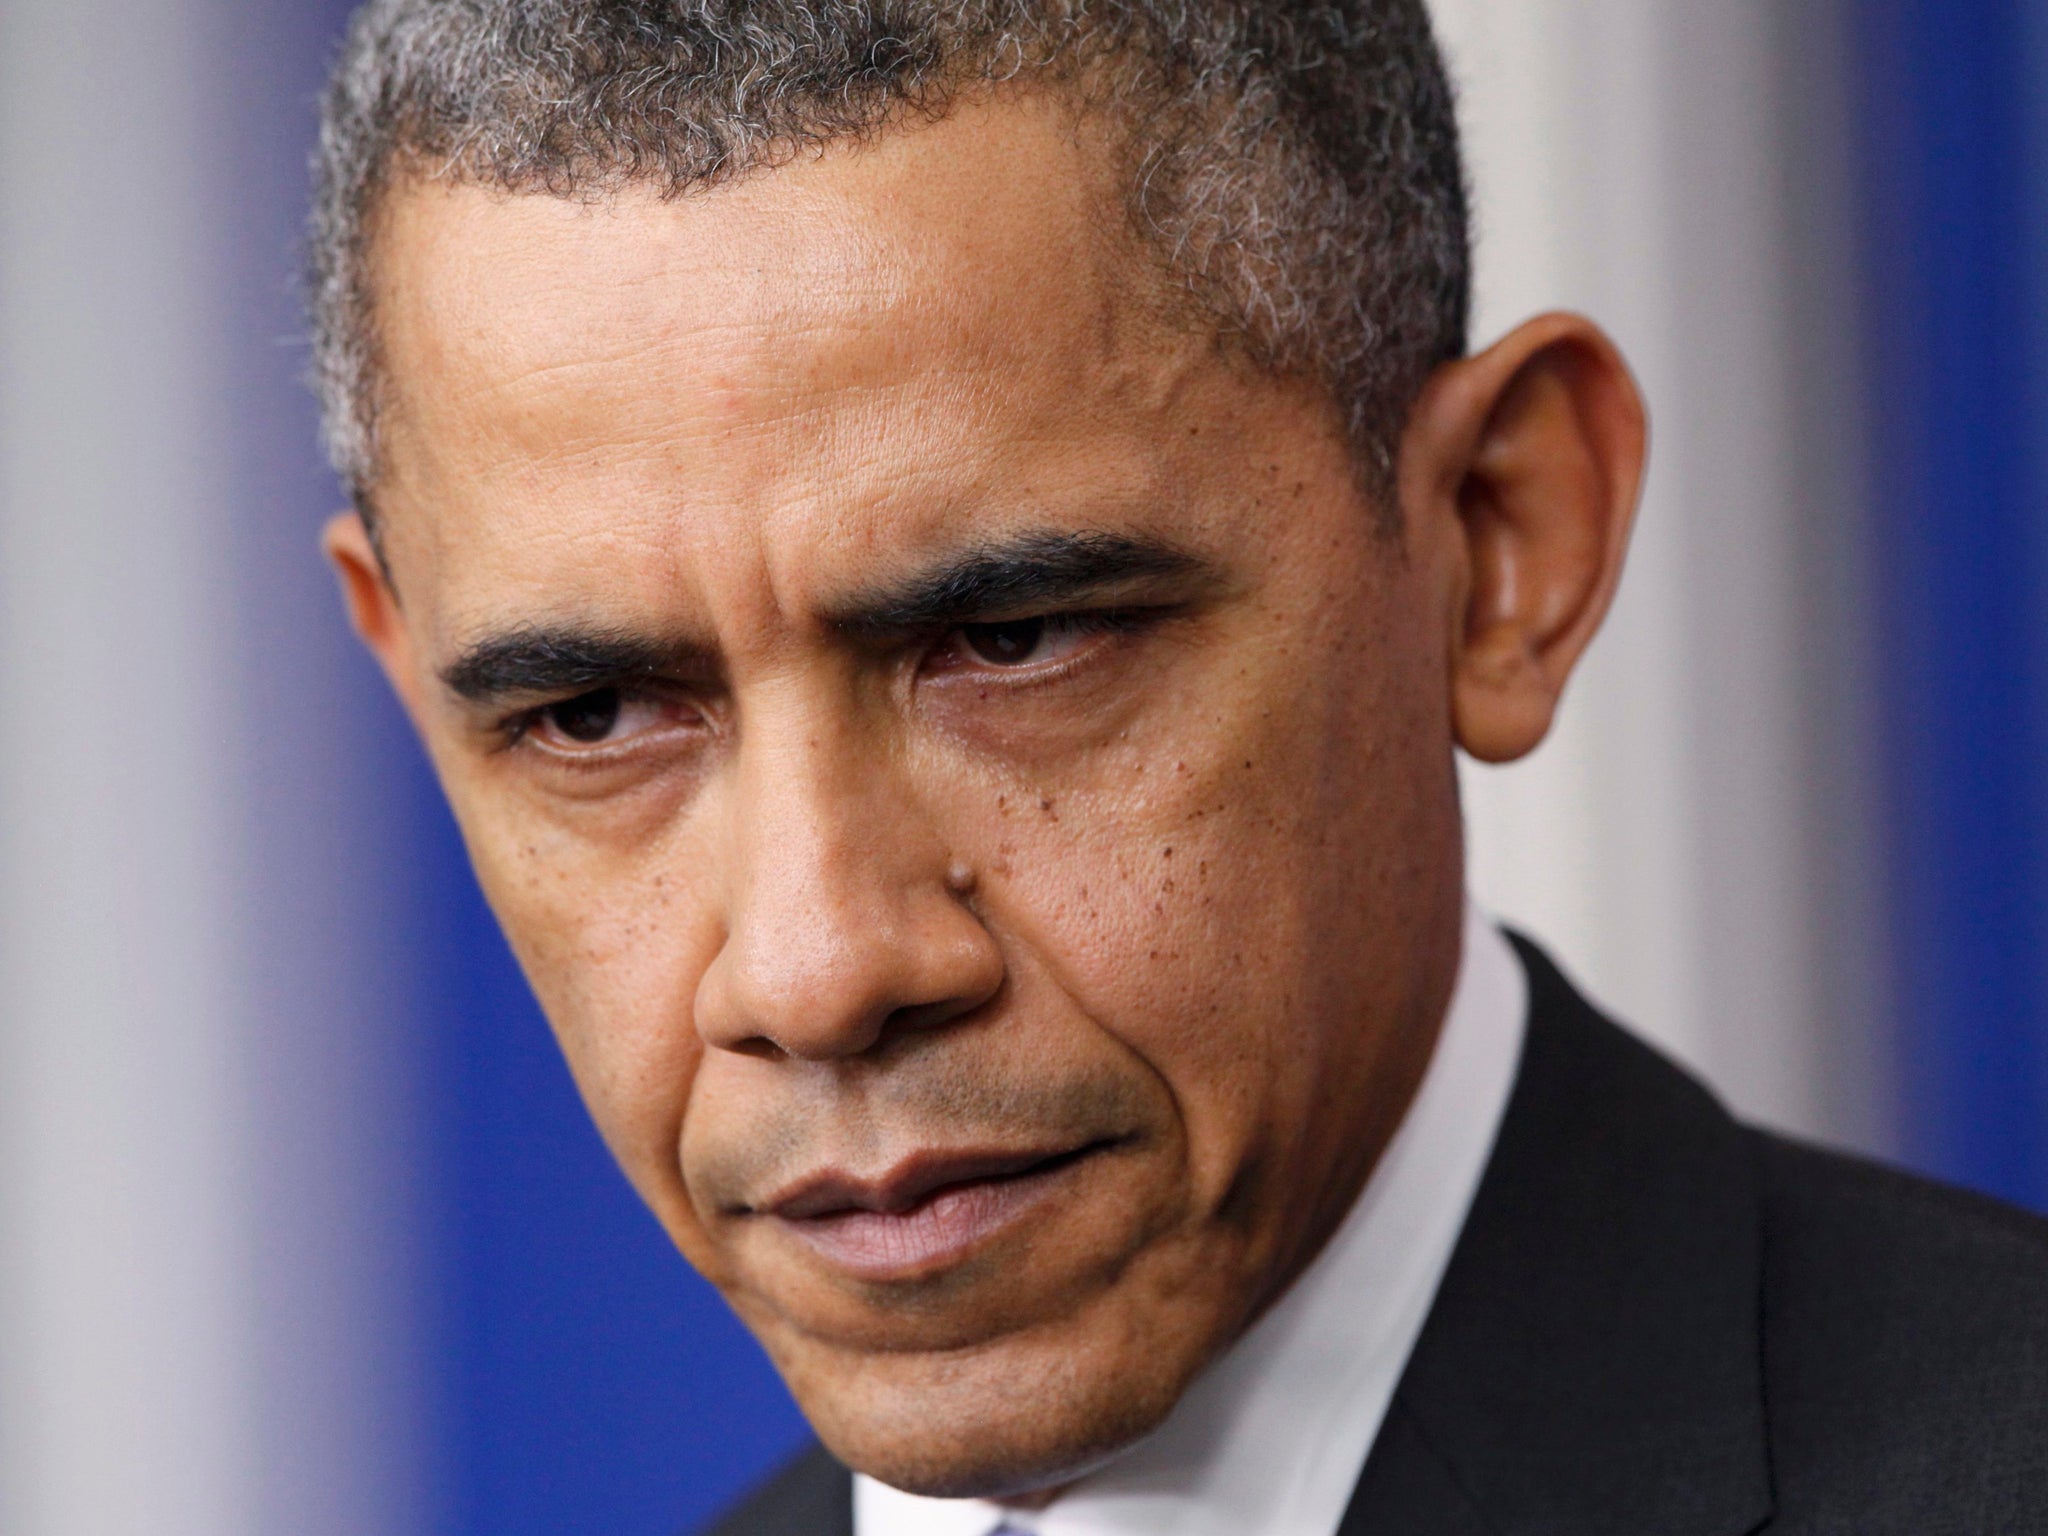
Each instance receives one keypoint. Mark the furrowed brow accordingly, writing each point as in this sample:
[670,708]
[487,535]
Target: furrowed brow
[1036,571]
[535,662]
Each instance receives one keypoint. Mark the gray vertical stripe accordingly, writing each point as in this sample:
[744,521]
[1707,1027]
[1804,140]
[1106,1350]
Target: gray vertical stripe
[124,1365]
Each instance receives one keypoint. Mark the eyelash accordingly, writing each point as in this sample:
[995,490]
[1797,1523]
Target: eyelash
[517,729]
[1083,626]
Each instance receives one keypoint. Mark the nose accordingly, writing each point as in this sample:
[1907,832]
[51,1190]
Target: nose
[841,925]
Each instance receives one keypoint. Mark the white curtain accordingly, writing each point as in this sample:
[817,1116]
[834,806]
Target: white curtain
[1692,840]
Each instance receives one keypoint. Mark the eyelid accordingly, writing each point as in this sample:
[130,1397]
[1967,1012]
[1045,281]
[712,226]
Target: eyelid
[516,728]
[1102,616]
[1096,621]
[1095,609]
[530,701]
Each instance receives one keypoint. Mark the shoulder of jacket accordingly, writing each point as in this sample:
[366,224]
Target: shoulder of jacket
[1905,1338]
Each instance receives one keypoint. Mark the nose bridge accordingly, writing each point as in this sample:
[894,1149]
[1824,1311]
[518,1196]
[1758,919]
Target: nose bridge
[838,919]
[817,789]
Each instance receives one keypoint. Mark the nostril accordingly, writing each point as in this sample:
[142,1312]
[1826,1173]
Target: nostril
[758,1047]
[845,1016]
[920,1017]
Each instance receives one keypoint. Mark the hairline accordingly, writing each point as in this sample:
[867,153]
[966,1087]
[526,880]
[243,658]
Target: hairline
[1298,195]
[1171,294]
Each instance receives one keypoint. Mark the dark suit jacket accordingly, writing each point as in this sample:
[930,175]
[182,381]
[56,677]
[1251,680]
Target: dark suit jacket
[1659,1321]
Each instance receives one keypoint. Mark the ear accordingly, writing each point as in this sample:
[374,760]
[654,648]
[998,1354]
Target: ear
[1528,459]
[372,603]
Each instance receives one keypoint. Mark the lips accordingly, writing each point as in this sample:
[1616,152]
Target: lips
[924,1214]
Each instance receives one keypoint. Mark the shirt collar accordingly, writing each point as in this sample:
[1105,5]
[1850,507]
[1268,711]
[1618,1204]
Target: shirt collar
[1270,1440]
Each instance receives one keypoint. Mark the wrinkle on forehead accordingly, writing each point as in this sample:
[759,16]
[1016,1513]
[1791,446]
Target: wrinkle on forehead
[995,237]
[846,351]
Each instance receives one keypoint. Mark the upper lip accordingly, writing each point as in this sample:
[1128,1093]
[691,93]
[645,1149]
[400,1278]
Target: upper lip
[835,1191]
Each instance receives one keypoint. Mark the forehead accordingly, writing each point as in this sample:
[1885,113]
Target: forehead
[846,350]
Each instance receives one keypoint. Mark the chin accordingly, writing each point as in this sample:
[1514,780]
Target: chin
[1001,1421]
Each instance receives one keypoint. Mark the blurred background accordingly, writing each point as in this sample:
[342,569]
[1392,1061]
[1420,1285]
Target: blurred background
[302,1229]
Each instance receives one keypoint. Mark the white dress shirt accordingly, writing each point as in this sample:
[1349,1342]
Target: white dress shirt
[1270,1440]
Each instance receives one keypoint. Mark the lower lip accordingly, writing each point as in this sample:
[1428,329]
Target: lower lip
[932,1235]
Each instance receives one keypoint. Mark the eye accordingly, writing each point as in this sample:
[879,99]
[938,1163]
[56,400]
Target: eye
[587,718]
[604,717]
[1028,642]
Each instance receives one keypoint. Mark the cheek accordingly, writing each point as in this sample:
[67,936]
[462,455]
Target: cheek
[1226,887]
[614,940]
[1161,888]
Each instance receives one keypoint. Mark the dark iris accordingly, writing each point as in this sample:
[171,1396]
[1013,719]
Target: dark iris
[1004,644]
[589,717]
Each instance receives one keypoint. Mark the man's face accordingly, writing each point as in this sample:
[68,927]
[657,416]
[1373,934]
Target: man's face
[965,773]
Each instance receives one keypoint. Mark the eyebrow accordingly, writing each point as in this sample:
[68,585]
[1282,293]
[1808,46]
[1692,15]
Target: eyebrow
[1014,578]
[1010,578]
[536,660]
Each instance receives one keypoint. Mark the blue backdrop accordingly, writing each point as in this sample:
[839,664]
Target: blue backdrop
[1951,150]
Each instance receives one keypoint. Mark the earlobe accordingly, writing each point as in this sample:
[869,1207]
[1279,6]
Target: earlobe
[1533,454]
[368,599]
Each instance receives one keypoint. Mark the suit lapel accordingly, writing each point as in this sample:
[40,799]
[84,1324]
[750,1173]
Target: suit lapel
[1593,1360]
[1409,1487]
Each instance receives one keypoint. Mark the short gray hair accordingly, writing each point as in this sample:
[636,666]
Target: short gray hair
[1295,161]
